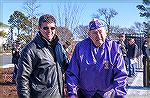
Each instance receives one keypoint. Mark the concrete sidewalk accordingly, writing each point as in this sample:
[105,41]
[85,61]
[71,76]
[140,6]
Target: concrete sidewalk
[136,89]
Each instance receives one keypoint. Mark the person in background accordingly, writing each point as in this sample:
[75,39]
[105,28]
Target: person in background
[144,46]
[66,47]
[123,47]
[42,63]
[131,55]
[97,68]
[145,56]
[15,57]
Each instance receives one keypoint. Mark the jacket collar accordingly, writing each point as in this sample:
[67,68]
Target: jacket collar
[43,42]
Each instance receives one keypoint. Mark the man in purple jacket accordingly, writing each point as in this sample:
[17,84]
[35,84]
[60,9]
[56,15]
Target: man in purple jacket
[97,67]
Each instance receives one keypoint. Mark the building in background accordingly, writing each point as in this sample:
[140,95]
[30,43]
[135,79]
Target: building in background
[3,28]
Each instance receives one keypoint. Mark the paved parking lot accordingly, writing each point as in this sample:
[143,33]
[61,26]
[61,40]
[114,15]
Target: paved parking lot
[5,58]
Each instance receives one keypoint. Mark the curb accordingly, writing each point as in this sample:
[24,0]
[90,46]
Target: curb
[5,53]
[7,66]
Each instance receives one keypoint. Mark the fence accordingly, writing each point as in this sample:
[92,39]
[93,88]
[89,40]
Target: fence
[139,39]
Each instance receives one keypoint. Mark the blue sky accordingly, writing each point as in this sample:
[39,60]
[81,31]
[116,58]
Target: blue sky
[127,11]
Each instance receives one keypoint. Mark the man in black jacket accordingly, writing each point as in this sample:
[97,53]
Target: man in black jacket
[123,47]
[131,55]
[15,57]
[42,63]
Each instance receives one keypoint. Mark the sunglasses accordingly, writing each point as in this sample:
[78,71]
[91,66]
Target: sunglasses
[47,28]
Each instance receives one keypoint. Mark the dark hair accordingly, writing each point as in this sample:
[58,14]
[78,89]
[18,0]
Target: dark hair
[46,18]
[121,35]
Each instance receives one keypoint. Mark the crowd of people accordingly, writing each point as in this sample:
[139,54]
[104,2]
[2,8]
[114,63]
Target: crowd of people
[130,52]
[98,67]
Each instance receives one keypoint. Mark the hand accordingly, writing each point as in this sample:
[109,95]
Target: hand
[145,45]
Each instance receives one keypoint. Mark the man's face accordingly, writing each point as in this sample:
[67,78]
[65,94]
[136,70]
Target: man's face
[131,41]
[48,30]
[122,38]
[98,36]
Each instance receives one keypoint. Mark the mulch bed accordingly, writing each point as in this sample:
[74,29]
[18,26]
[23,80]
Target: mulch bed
[7,88]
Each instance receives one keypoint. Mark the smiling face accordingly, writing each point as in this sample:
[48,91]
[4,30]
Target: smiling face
[131,41]
[98,36]
[48,30]
[122,38]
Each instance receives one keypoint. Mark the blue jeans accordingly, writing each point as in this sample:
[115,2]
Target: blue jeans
[131,68]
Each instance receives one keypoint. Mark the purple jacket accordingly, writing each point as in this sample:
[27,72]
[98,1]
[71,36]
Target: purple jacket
[99,70]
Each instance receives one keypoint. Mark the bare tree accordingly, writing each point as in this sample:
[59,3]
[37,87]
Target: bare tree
[108,15]
[138,27]
[81,32]
[64,34]
[118,29]
[31,8]
[68,15]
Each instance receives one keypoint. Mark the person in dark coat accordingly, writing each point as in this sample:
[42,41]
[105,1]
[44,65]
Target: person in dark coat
[123,47]
[144,47]
[15,57]
[146,58]
[42,63]
[131,55]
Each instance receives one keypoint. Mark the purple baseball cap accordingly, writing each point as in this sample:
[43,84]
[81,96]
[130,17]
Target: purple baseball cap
[95,24]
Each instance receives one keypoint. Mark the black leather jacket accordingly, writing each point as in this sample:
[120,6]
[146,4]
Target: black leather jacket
[40,69]
[144,48]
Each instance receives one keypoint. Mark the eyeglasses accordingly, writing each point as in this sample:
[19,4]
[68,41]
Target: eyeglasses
[47,28]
